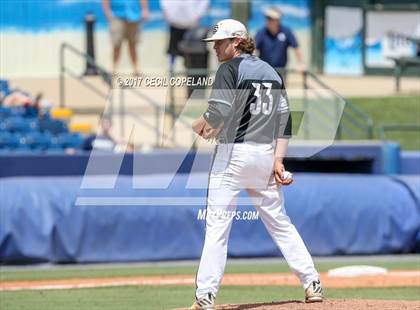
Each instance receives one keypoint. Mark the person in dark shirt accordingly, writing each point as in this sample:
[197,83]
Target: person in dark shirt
[273,42]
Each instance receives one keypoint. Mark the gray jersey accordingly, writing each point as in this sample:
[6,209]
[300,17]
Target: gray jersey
[248,96]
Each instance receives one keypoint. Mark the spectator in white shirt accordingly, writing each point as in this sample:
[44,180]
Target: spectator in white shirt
[181,15]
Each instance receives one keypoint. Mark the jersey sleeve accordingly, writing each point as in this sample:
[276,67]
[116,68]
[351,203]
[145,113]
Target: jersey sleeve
[284,116]
[222,95]
[292,39]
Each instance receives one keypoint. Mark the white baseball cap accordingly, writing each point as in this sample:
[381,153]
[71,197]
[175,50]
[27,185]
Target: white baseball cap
[227,29]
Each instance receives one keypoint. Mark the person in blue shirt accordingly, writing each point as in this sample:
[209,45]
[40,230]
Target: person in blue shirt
[124,18]
[273,41]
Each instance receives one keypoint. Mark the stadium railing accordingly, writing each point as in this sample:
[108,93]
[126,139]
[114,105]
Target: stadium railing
[110,95]
[383,128]
[354,124]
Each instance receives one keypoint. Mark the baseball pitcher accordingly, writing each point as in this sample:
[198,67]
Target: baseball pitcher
[248,114]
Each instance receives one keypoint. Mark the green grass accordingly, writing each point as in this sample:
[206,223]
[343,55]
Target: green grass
[131,271]
[398,109]
[395,110]
[158,297]
[164,297]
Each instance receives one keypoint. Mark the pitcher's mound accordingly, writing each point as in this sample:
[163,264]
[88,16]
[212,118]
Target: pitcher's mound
[330,304]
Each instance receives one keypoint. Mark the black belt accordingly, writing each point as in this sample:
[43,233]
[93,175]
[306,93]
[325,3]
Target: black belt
[226,141]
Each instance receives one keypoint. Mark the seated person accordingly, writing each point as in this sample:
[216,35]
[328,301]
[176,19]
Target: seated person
[104,140]
[18,98]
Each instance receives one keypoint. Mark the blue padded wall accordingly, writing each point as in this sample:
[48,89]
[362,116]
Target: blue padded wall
[336,214]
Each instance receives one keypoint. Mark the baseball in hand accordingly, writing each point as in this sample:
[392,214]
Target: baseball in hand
[287,175]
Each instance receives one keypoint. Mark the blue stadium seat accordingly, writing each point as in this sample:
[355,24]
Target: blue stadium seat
[30,112]
[22,150]
[24,111]
[54,151]
[5,151]
[21,132]
[33,122]
[8,140]
[37,140]
[70,140]
[5,112]
[55,145]
[52,126]
[22,147]
[3,126]
[20,124]
[4,87]
[18,111]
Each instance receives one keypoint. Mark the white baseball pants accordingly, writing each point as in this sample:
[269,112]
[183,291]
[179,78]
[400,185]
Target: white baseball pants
[248,166]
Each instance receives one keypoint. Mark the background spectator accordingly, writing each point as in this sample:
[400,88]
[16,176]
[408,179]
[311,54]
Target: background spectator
[181,15]
[273,41]
[19,98]
[104,140]
[124,17]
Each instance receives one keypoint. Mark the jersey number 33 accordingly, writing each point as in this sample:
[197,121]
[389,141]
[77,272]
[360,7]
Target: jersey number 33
[264,99]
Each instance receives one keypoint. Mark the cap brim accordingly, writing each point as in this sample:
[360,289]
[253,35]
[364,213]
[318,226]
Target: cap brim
[214,38]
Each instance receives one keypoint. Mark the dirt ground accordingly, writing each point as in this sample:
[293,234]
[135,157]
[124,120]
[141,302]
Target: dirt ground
[333,304]
[392,279]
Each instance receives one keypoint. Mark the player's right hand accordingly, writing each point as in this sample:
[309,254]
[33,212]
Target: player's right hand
[198,126]
[210,132]
[278,173]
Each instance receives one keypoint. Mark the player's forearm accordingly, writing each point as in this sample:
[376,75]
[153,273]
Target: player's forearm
[281,148]
[216,114]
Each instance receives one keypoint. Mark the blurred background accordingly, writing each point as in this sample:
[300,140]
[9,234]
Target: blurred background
[354,87]
[60,54]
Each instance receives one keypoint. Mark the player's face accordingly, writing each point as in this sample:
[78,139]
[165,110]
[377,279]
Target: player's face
[225,49]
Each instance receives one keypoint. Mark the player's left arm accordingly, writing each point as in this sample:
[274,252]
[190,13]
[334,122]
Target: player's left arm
[284,133]
[280,154]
